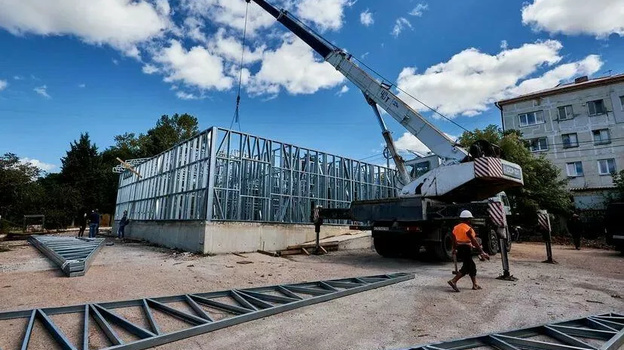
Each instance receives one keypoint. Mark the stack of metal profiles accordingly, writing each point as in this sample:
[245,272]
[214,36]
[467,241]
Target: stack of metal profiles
[598,332]
[72,255]
[145,323]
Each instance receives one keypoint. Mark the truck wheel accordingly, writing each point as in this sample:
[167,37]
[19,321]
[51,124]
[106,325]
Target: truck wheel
[490,245]
[443,250]
[386,247]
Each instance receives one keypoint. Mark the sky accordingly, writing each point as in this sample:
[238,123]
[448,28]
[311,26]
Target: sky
[115,66]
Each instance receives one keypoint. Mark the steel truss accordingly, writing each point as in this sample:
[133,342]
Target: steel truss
[599,332]
[224,175]
[144,326]
[72,255]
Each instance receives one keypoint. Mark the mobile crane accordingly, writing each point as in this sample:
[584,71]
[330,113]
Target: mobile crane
[428,206]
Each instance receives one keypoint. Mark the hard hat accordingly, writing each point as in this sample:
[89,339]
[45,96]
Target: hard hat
[466,214]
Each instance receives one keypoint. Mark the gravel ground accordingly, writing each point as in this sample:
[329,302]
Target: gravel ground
[418,311]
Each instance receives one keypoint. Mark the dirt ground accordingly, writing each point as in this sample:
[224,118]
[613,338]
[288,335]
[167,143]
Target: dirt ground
[418,311]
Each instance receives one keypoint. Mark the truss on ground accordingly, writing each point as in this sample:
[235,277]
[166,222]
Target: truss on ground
[144,323]
[599,332]
[224,175]
[72,255]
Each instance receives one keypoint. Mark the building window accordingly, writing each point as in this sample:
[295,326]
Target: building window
[531,118]
[601,137]
[569,140]
[606,166]
[574,169]
[596,107]
[538,145]
[565,112]
[622,102]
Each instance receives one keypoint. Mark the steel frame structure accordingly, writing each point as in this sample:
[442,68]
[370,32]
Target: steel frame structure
[199,315]
[225,175]
[598,332]
[72,255]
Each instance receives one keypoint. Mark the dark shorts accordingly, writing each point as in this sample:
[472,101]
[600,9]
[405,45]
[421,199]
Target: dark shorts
[464,254]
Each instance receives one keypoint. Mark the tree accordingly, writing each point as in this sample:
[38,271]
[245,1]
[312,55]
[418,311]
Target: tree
[82,170]
[16,186]
[543,188]
[618,182]
[169,131]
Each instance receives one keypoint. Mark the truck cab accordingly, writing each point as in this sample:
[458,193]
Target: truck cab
[613,227]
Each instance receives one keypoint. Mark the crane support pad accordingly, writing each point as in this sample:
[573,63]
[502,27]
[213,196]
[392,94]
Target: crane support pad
[192,314]
[72,255]
[598,332]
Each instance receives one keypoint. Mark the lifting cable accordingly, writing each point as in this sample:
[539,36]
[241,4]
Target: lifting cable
[236,118]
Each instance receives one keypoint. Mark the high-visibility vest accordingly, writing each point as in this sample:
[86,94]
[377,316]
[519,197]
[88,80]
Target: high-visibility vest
[460,232]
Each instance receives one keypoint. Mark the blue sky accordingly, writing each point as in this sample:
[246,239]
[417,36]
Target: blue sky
[117,66]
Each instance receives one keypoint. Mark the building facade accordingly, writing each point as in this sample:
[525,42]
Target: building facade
[579,127]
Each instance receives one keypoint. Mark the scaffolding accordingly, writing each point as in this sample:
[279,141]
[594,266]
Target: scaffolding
[225,175]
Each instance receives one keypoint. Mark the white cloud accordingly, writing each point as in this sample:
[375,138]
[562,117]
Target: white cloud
[409,142]
[196,67]
[3,84]
[230,48]
[343,90]
[588,66]
[122,24]
[43,91]
[326,14]
[504,45]
[471,80]
[187,96]
[115,61]
[400,24]
[82,86]
[418,10]
[149,69]
[364,55]
[366,18]
[17,77]
[39,164]
[293,67]
[597,17]
[230,14]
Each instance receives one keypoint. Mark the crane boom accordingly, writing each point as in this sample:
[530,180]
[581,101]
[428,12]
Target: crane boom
[373,89]
[463,177]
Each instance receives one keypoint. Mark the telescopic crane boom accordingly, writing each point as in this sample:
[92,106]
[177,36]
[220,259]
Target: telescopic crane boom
[464,176]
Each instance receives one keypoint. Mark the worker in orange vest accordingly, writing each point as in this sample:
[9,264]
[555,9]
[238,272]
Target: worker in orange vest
[464,239]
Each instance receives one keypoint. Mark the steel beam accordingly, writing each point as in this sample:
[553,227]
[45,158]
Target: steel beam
[565,335]
[242,305]
[72,255]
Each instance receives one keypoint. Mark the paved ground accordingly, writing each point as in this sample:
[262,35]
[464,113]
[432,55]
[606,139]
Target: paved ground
[418,311]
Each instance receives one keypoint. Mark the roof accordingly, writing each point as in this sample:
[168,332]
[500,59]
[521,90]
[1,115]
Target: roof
[563,88]
[580,189]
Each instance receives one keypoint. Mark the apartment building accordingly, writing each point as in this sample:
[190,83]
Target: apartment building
[579,126]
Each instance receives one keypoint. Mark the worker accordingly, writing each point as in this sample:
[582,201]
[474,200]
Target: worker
[94,222]
[122,225]
[464,238]
[575,226]
[83,224]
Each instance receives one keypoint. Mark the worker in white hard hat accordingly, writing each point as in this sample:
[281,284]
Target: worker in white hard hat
[464,239]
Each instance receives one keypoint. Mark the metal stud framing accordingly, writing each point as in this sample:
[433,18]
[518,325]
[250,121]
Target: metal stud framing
[224,175]
[203,312]
[72,255]
[599,332]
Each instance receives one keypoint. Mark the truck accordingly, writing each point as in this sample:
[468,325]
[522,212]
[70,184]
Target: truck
[431,197]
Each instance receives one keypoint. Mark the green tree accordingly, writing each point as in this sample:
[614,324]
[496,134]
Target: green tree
[543,188]
[17,190]
[169,131]
[82,170]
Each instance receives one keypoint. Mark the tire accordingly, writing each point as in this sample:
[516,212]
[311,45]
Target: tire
[386,247]
[490,245]
[443,250]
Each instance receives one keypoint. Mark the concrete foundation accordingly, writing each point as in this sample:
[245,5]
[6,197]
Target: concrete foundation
[225,237]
